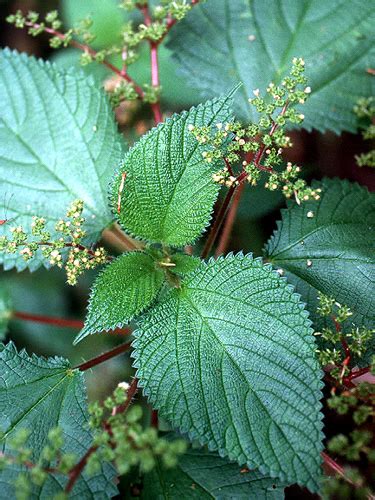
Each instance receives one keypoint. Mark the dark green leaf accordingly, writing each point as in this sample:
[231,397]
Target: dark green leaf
[329,246]
[223,42]
[230,359]
[121,291]
[184,263]
[39,394]
[202,475]
[58,142]
[169,193]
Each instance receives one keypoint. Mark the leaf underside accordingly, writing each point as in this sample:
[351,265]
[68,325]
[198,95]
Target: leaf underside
[39,394]
[229,358]
[202,475]
[168,193]
[254,42]
[58,142]
[332,252]
[121,291]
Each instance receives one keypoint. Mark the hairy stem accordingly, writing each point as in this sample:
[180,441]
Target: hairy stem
[48,320]
[105,356]
[78,468]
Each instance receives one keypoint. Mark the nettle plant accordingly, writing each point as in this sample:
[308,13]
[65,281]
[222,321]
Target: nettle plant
[229,349]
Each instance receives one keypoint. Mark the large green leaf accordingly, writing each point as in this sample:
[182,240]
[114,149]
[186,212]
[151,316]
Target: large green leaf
[229,358]
[329,246]
[58,142]
[121,291]
[39,394]
[202,475]
[5,311]
[169,193]
[225,41]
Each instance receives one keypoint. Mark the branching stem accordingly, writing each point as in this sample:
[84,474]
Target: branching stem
[97,360]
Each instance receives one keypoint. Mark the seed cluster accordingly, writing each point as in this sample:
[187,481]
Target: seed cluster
[79,258]
[258,147]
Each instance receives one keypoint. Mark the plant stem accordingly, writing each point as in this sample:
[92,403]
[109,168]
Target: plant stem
[116,351]
[229,222]
[357,373]
[78,468]
[133,389]
[116,237]
[334,467]
[49,320]
[219,219]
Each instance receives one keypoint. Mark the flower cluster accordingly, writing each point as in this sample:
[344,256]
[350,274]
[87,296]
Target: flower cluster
[121,438]
[340,341]
[365,110]
[258,147]
[37,472]
[159,21]
[79,257]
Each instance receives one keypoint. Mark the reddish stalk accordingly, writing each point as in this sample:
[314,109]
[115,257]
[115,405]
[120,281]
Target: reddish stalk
[132,391]
[334,467]
[219,219]
[92,52]
[103,357]
[78,468]
[357,373]
[229,222]
[48,320]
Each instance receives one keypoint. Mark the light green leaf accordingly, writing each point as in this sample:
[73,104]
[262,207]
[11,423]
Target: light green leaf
[329,246]
[39,394]
[169,193]
[5,311]
[225,41]
[202,475]
[122,290]
[230,359]
[58,142]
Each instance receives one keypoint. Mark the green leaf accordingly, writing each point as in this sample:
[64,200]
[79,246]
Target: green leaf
[328,246]
[5,311]
[121,291]
[169,193]
[58,142]
[225,41]
[40,394]
[202,475]
[230,359]
[184,263]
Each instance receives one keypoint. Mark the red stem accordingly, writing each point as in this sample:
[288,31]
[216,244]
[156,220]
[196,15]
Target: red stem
[103,357]
[49,320]
[229,222]
[130,395]
[334,467]
[357,373]
[219,219]
[78,468]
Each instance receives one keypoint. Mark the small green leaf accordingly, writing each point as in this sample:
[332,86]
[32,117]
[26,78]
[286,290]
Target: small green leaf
[58,142]
[122,290]
[222,42]
[230,358]
[168,192]
[5,311]
[40,394]
[184,263]
[201,475]
[329,246]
